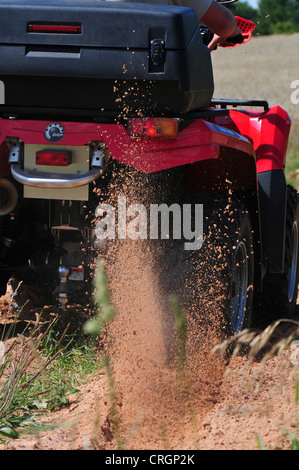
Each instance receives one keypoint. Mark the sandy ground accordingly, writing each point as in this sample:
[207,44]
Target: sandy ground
[229,420]
[217,403]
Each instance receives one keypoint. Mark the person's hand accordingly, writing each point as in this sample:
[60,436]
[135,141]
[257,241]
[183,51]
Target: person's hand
[224,41]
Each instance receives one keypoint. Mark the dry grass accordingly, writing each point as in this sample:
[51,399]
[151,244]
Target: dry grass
[263,69]
[264,344]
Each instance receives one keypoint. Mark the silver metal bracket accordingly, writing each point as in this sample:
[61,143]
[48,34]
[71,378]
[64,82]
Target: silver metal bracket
[15,153]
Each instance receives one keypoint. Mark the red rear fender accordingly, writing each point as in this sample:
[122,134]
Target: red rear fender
[268,131]
[199,141]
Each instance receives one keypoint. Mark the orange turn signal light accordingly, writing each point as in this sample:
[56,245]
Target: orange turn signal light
[153,127]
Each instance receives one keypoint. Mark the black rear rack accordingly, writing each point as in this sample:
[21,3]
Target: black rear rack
[36,113]
[218,108]
[93,115]
[223,103]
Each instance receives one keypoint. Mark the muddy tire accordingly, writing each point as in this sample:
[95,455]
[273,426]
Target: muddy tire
[216,281]
[280,290]
[232,238]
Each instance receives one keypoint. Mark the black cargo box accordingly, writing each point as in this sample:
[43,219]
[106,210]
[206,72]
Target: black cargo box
[137,58]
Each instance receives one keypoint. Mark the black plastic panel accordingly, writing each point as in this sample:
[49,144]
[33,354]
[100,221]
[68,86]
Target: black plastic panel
[119,43]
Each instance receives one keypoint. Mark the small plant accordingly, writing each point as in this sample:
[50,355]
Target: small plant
[183,372]
[294,439]
[106,310]
[94,327]
[257,343]
[259,442]
[38,371]
[181,328]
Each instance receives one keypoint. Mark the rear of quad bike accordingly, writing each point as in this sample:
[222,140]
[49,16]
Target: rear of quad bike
[73,139]
[50,243]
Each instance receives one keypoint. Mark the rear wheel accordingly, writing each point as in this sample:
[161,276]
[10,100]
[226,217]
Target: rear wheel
[240,287]
[220,274]
[280,290]
[238,269]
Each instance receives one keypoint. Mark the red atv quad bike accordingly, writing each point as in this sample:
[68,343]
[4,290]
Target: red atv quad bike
[98,89]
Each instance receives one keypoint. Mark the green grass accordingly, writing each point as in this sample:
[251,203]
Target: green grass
[38,373]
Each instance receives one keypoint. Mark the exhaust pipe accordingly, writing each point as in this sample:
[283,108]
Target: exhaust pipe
[8,196]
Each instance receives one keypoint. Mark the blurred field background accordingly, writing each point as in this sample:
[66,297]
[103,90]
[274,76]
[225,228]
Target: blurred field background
[264,69]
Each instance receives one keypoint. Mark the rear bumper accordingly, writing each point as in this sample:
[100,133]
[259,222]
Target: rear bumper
[53,180]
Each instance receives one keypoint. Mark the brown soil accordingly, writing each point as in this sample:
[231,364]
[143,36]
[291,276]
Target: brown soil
[203,401]
[214,403]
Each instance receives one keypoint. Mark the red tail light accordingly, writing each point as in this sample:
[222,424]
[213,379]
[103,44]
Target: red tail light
[54,158]
[55,28]
[153,127]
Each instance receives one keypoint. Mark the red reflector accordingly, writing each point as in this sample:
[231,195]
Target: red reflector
[47,157]
[55,28]
[76,274]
